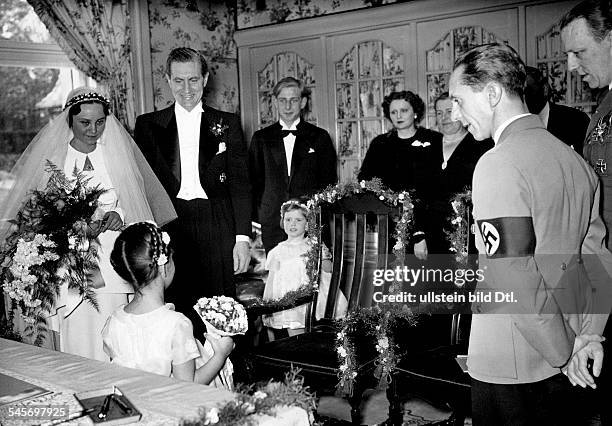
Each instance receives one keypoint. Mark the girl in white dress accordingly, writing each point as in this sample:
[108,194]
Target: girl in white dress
[147,333]
[286,264]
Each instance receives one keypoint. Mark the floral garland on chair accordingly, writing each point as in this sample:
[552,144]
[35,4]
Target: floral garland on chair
[330,195]
[371,321]
[459,237]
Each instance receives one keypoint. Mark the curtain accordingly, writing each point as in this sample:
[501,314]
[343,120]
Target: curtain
[95,34]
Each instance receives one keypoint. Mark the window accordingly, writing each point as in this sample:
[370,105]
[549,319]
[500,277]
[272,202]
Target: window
[35,78]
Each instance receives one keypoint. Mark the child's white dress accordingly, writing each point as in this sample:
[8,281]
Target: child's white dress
[286,264]
[155,341]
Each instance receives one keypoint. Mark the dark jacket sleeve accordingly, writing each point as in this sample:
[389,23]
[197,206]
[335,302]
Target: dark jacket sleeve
[257,171]
[328,173]
[238,177]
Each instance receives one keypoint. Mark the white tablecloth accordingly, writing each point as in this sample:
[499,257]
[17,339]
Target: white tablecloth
[162,400]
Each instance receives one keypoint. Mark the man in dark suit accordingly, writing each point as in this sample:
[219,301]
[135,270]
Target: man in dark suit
[291,158]
[566,123]
[541,240]
[200,157]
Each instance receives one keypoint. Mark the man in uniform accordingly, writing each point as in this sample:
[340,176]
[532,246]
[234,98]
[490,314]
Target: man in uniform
[542,253]
[586,32]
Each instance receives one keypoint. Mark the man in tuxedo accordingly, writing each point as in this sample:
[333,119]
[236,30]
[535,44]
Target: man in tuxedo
[566,123]
[541,240]
[291,158]
[200,157]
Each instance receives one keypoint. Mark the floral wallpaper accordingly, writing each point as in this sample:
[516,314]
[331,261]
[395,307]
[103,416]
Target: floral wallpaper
[253,13]
[207,26]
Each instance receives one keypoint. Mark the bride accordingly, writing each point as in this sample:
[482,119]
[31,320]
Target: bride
[86,135]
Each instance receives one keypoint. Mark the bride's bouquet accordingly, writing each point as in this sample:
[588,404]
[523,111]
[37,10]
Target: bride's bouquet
[222,315]
[48,247]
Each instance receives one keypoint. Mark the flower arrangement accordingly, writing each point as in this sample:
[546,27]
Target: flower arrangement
[252,400]
[381,325]
[459,237]
[50,246]
[222,315]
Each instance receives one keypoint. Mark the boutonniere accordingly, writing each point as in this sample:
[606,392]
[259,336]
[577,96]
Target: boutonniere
[419,143]
[311,150]
[218,129]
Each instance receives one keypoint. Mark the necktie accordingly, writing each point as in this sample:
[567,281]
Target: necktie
[286,133]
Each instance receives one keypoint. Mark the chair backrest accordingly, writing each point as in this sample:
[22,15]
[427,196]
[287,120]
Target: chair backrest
[360,227]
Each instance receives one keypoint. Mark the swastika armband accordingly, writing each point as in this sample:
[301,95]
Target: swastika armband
[508,236]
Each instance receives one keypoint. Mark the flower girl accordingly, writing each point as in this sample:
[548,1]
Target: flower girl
[286,264]
[147,333]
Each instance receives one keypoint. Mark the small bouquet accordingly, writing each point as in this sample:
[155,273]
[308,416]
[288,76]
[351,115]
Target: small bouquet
[222,315]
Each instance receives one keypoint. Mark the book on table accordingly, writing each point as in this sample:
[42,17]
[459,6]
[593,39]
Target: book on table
[13,390]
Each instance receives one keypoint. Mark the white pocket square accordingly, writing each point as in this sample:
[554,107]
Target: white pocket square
[222,148]
[310,151]
[419,143]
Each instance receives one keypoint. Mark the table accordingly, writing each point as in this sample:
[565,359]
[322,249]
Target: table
[162,400]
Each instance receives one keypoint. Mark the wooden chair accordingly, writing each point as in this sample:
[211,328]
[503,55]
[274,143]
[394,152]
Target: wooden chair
[354,249]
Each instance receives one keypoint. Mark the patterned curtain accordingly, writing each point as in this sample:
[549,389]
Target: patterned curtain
[95,34]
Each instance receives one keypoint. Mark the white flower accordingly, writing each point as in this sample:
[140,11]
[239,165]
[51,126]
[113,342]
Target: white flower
[381,198]
[162,259]
[343,367]
[341,351]
[165,238]
[212,416]
[362,184]
[260,395]
[455,205]
[398,245]
[383,342]
[72,242]
[340,335]
[248,407]
[401,196]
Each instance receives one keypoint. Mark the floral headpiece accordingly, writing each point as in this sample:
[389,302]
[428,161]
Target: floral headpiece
[294,203]
[87,97]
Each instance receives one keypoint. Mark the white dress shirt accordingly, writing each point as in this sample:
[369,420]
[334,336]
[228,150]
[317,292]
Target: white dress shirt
[289,142]
[188,126]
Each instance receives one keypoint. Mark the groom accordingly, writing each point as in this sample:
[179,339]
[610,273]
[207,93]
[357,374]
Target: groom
[200,157]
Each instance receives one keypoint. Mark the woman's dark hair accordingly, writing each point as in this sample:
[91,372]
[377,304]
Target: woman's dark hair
[415,101]
[138,253]
[76,110]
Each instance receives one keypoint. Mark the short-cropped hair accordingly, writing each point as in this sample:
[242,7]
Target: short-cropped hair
[183,55]
[493,62]
[596,13]
[290,82]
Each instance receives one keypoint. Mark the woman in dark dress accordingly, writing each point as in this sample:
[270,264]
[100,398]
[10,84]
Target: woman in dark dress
[400,157]
[452,166]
